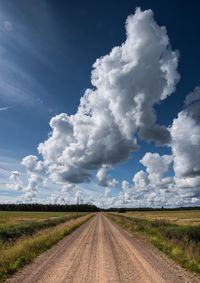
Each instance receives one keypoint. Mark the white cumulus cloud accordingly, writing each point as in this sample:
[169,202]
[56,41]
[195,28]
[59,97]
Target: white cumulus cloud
[104,179]
[156,167]
[185,132]
[127,83]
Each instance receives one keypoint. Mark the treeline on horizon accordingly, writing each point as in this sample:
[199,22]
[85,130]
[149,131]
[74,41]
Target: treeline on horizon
[80,207]
[124,209]
[48,207]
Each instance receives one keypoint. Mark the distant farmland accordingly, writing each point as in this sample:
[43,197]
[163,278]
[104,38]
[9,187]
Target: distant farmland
[19,217]
[180,217]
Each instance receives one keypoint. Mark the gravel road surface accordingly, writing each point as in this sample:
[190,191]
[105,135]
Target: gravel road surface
[100,251]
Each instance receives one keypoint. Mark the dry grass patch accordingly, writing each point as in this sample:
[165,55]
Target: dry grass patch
[179,217]
[18,217]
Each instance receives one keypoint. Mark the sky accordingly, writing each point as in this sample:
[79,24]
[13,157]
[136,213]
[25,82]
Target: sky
[100,100]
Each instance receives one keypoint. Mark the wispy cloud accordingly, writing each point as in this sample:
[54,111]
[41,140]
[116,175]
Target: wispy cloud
[22,54]
[5,108]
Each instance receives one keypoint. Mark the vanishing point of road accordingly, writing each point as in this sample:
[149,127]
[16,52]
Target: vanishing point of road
[99,252]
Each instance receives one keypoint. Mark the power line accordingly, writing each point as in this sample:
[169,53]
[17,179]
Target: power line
[5,168]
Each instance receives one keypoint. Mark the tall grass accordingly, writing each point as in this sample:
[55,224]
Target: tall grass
[182,243]
[12,257]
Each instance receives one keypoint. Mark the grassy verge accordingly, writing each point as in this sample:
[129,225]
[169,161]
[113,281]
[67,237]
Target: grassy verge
[25,250]
[10,233]
[181,243]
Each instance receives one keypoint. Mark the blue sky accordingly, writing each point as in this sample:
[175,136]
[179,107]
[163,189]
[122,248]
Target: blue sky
[47,49]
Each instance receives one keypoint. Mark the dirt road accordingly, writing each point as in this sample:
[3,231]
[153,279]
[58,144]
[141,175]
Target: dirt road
[98,252]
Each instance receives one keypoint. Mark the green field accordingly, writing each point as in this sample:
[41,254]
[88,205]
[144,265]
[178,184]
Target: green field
[176,233]
[24,235]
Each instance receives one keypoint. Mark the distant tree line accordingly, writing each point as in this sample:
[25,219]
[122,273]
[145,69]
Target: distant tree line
[81,208]
[123,209]
[48,207]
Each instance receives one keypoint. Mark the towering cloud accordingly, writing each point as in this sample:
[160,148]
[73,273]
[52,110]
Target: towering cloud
[127,83]
[185,132]
[35,174]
